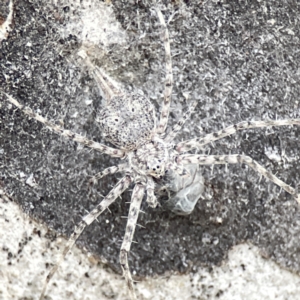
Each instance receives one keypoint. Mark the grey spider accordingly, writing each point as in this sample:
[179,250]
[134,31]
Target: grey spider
[128,121]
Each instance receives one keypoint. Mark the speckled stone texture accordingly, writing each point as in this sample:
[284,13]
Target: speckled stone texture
[25,247]
[238,59]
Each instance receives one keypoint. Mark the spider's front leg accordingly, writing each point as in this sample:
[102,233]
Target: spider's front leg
[235,159]
[121,186]
[151,198]
[135,204]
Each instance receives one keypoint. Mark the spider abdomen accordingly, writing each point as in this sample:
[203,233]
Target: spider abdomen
[128,121]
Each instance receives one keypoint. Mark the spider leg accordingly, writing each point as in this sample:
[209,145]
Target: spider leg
[106,82]
[67,133]
[171,135]
[151,198]
[120,187]
[164,115]
[199,142]
[107,86]
[235,159]
[136,200]
[107,171]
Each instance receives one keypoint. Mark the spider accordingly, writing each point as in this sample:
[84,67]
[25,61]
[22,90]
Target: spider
[128,121]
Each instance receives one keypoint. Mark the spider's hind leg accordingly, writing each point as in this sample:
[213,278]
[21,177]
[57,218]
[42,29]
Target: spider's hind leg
[121,186]
[135,204]
[236,159]
[64,132]
[200,142]
[164,115]
[108,87]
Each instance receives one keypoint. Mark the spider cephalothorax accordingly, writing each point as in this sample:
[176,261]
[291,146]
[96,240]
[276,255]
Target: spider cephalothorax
[151,159]
[128,121]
